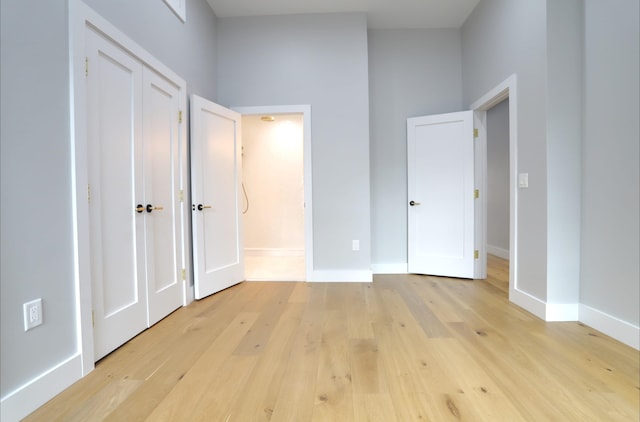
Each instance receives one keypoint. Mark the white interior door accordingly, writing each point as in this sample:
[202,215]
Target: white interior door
[441,221]
[114,111]
[215,191]
[161,145]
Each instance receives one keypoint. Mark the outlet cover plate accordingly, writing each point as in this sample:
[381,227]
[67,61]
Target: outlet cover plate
[32,314]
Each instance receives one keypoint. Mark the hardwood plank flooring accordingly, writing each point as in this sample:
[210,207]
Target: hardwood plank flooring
[403,348]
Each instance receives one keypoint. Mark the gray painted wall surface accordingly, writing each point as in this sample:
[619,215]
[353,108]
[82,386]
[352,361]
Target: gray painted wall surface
[498,176]
[610,160]
[36,247]
[319,60]
[189,49]
[564,131]
[411,73]
[500,38]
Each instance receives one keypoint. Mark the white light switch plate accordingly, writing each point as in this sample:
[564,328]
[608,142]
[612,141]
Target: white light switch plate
[523,180]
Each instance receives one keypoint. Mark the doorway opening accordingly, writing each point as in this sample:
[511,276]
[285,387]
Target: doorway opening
[276,169]
[507,90]
[497,195]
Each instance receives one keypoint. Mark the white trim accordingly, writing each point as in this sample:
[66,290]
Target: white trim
[399,268]
[545,311]
[620,330]
[308,173]
[480,204]
[78,130]
[24,400]
[561,312]
[341,276]
[530,303]
[499,252]
[273,252]
[179,8]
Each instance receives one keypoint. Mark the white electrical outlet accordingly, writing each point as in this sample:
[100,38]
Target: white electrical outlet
[355,245]
[32,314]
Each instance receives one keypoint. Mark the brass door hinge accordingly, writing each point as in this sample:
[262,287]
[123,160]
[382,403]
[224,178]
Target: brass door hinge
[180,116]
[86,66]
[89,194]
[475,132]
[184,274]
[181,195]
[476,254]
[476,193]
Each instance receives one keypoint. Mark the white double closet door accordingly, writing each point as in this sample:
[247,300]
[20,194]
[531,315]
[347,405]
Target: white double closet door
[134,167]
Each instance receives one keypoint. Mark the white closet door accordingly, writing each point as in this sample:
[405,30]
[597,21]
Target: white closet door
[134,157]
[114,113]
[216,170]
[161,149]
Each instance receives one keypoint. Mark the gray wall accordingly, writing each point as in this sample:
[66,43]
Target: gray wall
[189,49]
[498,176]
[36,246]
[36,214]
[411,73]
[500,38]
[564,131]
[610,160]
[319,60]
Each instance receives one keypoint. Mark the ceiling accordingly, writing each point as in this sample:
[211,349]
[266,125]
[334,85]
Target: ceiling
[380,13]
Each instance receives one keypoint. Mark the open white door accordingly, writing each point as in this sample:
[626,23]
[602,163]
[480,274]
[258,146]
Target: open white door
[441,220]
[216,171]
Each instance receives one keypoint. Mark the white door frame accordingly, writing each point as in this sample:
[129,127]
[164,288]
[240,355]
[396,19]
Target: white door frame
[81,16]
[504,90]
[305,110]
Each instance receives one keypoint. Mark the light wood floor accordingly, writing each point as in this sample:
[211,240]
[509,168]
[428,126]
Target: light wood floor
[403,348]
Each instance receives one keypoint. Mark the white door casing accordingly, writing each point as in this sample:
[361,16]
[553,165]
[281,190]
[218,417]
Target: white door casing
[216,172]
[441,221]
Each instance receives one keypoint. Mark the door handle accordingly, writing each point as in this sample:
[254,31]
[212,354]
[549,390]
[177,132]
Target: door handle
[414,203]
[139,208]
[151,208]
[201,207]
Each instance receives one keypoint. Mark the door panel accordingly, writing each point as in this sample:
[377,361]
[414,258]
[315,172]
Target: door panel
[161,137]
[215,184]
[441,186]
[114,115]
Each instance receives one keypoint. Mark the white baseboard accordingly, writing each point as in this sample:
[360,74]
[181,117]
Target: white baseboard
[528,302]
[400,268]
[613,327]
[562,312]
[499,252]
[339,276]
[550,312]
[274,251]
[29,397]
[618,329]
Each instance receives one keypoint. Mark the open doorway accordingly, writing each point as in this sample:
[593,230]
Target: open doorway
[505,92]
[254,257]
[273,188]
[497,195]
